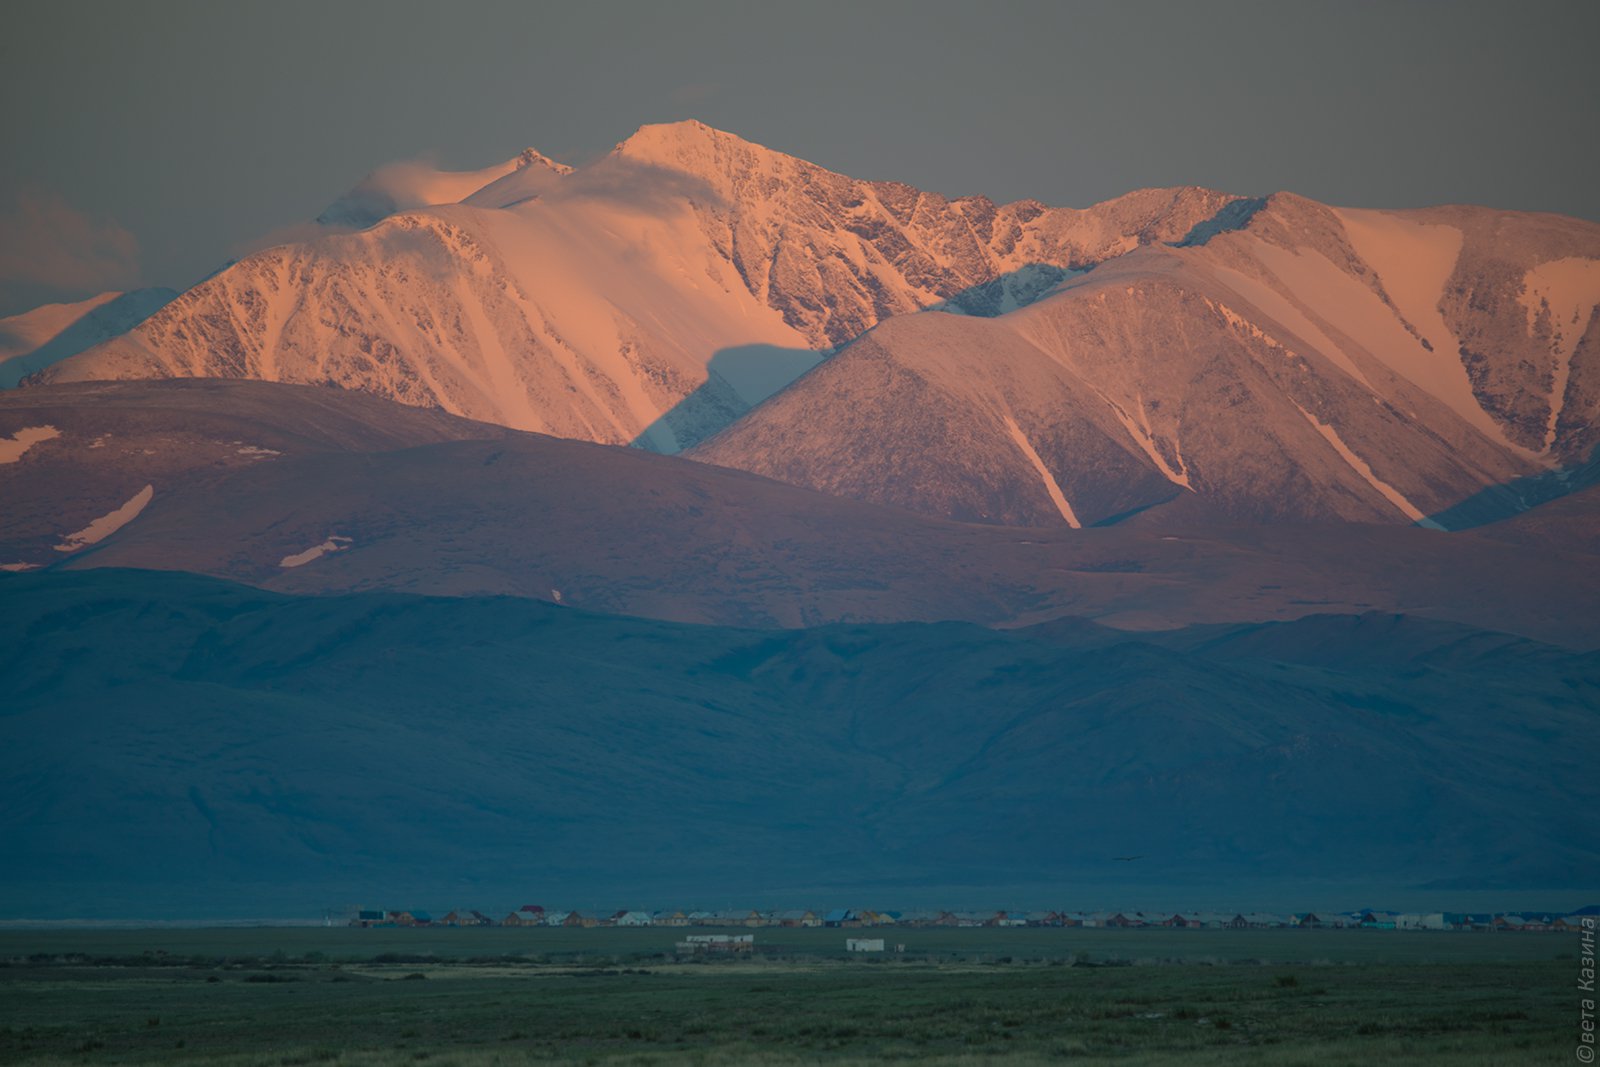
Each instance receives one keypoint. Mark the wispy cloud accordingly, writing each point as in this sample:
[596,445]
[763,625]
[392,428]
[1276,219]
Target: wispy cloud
[294,233]
[47,243]
[641,186]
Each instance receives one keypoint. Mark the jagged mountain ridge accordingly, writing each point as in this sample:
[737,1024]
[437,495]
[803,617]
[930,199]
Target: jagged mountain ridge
[1293,362]
[652,296]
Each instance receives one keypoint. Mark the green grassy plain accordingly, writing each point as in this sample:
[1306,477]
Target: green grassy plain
[473,998]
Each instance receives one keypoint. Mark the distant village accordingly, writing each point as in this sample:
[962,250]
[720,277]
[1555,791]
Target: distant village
[846,918]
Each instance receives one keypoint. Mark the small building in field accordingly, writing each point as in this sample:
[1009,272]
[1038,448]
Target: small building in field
[634,918]
[717,944]
[525,917]
[796,918]
[411,918]
[863,944]
[739,917]
[578,918]
[461,917]
[367,917]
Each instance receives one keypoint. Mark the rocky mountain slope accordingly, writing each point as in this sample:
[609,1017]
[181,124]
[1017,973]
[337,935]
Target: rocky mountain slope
[652,296]
[1292,362]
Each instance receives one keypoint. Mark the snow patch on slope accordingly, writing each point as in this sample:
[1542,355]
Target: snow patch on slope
[1142,436]
[1287,314]
[300,559]
[1244,325]
[14,447]
[109,523]
[1413,261]
[1359,465]
[1568,290]
[1051,486]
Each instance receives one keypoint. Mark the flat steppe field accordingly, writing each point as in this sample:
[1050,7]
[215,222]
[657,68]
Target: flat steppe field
[312,995]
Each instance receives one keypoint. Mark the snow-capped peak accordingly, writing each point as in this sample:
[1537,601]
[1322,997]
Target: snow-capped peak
[698,149]
[657,134]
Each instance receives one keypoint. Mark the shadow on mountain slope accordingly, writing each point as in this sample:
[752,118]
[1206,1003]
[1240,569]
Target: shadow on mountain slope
[110,319]
[741,377]
[1497,502]
[1233,216]
[1008,292]
[737,379]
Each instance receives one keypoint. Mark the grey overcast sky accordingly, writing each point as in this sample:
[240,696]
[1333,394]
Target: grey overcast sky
[144,142]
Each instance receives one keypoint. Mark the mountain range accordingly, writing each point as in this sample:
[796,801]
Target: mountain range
[575,514]
[1176,350]
[180,746]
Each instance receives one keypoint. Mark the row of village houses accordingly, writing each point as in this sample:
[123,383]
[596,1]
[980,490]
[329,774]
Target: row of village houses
[535,915]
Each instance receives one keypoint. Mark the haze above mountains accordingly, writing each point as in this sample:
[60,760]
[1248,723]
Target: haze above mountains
[850,404]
